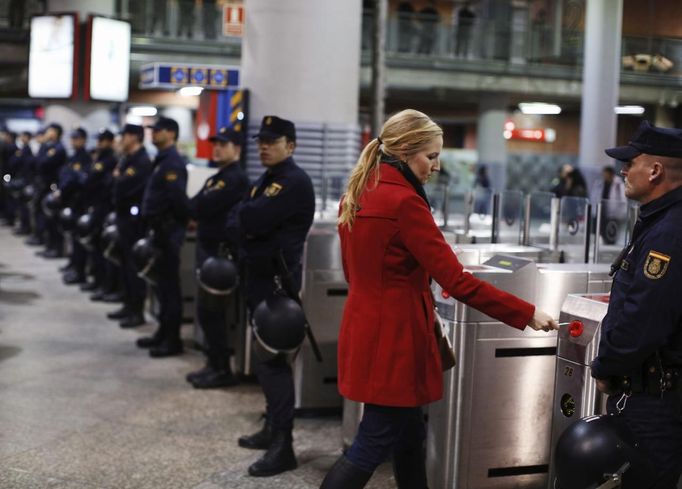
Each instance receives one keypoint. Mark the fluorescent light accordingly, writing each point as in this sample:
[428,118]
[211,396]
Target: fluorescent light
[143,111]
[539,108]
[191,91]
[629,109]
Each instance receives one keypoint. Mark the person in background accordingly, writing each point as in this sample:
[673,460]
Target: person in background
[391,249]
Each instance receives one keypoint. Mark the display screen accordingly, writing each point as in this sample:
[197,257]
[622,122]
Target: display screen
[51,56]
[109,59]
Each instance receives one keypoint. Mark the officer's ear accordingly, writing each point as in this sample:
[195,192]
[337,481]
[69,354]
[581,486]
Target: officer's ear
[291,146]
[656,171]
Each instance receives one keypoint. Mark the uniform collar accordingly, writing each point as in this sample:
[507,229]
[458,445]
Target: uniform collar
[165,152]
[660,204]
[281,166]
[105,152]
[228,168]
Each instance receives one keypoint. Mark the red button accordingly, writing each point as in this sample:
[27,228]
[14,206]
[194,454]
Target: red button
[444,294]
[576,328]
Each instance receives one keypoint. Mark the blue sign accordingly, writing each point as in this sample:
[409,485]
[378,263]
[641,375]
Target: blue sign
[172,76]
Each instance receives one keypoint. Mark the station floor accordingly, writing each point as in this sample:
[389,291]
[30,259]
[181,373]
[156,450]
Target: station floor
[82,408]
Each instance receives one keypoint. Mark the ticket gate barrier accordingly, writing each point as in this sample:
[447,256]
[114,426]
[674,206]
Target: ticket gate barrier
[575,391]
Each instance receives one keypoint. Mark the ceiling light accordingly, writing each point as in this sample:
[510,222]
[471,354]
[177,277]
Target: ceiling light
[539,108]
[143,111]
[191,91]
[629,109]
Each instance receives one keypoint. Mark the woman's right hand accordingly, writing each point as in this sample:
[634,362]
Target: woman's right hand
[542,321]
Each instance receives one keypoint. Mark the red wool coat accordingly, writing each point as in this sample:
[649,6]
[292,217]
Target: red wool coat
[387,352]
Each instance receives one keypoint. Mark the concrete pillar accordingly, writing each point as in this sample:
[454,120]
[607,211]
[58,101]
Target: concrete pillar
[601,77]
[102,7]
[301,59]
[491,145]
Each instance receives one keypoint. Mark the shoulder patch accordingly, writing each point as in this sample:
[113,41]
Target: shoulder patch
[655,265]
[51,152]
[272,190]
[98,166]
[171,176]
[76,166]
[253,191]
[17,152]
[130,171]
[209,183]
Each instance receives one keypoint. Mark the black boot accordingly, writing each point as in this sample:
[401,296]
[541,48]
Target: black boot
[279,457]
[132,321]
[167,348]
[220,375]
[346,475]
[260,440]
[73,277]
[120,313]
[150,341]
[198,373]
[409,469]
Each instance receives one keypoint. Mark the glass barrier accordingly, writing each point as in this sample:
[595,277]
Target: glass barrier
[614,225]
[540,217]
[510,217]
[573,228]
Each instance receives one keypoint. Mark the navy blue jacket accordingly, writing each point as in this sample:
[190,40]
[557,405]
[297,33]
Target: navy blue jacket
[129,184]
[19,161]
[72,177]
[216,202]
[645,308]
[276,215]
[165,201]
[98,183]
[49,161]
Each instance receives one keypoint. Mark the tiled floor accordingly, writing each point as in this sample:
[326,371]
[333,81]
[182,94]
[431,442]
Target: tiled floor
[82,407]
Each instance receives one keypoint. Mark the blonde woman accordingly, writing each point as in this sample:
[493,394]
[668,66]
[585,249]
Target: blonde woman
[391,247]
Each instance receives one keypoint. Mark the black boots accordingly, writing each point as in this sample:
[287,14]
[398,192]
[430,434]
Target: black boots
[279,457]
[133,320]
[409,469]
[216,374]
[346,475]
[167,348]
[119,313]
[258,441]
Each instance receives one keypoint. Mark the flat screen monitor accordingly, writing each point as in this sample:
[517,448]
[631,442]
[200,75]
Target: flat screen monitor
[52,56]
[109,59]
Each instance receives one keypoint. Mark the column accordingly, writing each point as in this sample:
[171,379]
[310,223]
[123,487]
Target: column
[601,78]
[491,145]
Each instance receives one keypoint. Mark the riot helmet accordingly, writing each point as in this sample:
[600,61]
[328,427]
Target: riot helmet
[28,193]
[218,276]
[67,219]
[51,204]
[599,452]
[112,245]
[145,259]
[278,325]
[85,229]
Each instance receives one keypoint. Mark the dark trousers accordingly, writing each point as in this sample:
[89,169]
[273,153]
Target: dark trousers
[24,216]
[168,290]
[212,319]
[657,425]
[131,229]
[385,431]
[275,376]
[79,257]
[11,205]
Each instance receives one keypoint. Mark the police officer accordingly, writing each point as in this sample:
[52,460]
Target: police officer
[274,221]
[23,166]
[8,170]
[97,197]
[71,186]
[130,177]
[640,351]
[165,210]
[212,207]
[49,162]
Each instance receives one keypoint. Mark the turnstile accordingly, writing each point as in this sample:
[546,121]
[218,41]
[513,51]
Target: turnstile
[575,391]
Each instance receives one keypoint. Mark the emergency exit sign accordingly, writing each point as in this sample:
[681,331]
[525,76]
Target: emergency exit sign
[233,19]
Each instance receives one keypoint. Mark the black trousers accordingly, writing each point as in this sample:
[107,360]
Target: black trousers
[275,376]
[657,425]
[384,431]
[131,229]
[168,290]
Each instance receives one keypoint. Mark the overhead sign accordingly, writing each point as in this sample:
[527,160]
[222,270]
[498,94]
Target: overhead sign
[52,56]
[176,75]
[546,135]
[233,19]
[109,59]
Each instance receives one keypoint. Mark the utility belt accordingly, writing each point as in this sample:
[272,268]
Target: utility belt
[655,379]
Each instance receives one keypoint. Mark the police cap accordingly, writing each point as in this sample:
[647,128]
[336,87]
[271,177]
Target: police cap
[79,132]
[133,129]
[273,127]
[227,135]
[165,123]
[57,127]
[651,140]
[105,134]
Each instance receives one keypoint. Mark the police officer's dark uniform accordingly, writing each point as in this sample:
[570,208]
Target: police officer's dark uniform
[130,179]
[165,210]
[71,186]
[275,219]
[214,209]
[640,351]
[97,198]
[22,166]
[49,161]
[9,158]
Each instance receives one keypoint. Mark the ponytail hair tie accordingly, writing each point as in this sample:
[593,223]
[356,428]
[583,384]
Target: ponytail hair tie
[380,141]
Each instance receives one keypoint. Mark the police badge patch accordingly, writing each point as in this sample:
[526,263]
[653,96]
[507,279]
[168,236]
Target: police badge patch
[656,265]
[272,189]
